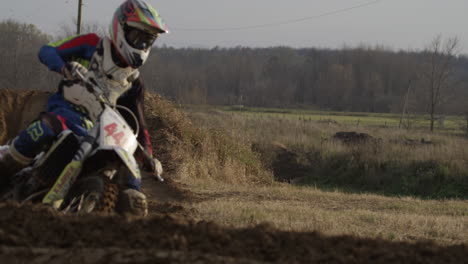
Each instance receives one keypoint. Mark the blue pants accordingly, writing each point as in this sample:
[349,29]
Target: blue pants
[41,133]
[63,115]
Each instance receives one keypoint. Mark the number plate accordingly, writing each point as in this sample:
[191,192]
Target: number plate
[115,132]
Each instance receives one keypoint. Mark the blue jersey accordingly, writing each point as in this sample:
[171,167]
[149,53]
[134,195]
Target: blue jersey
[78,48]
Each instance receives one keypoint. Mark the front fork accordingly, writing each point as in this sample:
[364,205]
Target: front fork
[69,175]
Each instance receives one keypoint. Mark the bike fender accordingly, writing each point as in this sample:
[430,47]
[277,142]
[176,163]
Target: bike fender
[126,157]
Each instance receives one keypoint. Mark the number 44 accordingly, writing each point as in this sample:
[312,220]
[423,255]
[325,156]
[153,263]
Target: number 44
[111,131]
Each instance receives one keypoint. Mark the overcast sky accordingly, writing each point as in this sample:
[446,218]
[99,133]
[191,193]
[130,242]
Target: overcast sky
[397,24]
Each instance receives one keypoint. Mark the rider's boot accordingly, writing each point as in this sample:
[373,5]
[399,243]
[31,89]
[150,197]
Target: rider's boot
[133,202]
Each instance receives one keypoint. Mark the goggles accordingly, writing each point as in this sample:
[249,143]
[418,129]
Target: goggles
[138,38]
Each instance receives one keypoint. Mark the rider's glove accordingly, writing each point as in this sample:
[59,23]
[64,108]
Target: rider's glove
[149,164]
[153,166]
[72,69]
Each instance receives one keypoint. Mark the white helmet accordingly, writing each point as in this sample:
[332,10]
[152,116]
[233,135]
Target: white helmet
[134,28]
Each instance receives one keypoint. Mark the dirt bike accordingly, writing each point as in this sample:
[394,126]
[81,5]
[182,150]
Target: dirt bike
[84,174]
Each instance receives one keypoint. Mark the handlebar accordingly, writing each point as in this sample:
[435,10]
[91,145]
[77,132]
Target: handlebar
[93,87]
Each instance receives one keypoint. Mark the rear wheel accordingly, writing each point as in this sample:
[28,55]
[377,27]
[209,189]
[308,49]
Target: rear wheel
[94,194]
[101,202]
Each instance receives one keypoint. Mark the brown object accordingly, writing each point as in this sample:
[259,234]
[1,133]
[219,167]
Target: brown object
[18,109]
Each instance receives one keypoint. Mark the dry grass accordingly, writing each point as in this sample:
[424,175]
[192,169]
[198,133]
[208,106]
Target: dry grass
[295,208]
[307,209]
[396,162]
[189,153]
[307,134]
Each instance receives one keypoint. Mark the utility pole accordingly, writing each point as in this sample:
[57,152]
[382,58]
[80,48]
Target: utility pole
[78,22]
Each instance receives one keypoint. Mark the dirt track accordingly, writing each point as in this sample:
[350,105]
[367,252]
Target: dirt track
[180,239]
[173,233]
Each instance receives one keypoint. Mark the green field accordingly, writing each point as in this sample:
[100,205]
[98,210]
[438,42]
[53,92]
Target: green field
[451,124]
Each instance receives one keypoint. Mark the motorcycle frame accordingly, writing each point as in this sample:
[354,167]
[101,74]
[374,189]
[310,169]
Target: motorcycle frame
[104,135]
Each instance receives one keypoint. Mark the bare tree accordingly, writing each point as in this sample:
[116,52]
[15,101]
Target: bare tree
[438,73]
[20,68]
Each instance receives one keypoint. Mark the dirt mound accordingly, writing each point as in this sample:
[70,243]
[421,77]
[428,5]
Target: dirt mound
[286,165]
[17,109]
[45,236]
[189,153]
[353,137]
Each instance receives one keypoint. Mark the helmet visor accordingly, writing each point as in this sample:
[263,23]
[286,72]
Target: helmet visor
[138,38]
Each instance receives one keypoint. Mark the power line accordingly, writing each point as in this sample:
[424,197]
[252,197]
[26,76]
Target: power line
[278,23]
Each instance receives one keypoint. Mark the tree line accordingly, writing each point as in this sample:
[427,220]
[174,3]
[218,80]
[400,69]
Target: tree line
[363,79]
[19,65]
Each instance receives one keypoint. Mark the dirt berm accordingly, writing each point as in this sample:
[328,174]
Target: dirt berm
[173,234]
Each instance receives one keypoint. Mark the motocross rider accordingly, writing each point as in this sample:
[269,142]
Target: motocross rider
[134,28]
